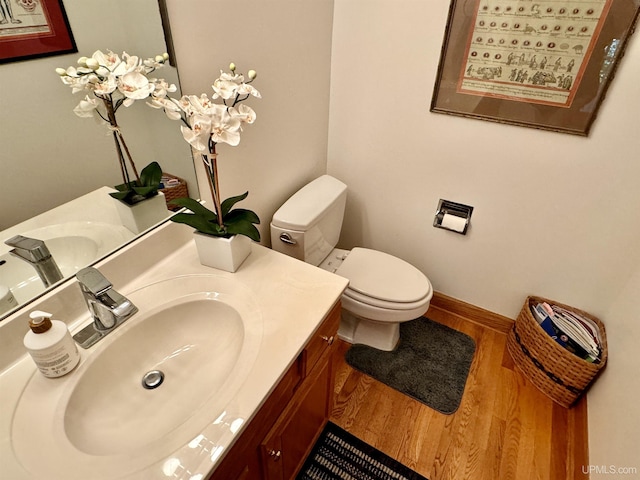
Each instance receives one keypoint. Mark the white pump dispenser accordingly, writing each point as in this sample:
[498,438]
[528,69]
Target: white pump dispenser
[50,345]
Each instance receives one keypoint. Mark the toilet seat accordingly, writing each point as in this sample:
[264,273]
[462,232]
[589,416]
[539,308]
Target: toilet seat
[375,302]
[384,281]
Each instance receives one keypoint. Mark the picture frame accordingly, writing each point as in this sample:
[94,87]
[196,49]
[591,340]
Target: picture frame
[33,29]
[545,64]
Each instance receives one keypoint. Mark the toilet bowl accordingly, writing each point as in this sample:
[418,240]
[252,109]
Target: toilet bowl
[383,290]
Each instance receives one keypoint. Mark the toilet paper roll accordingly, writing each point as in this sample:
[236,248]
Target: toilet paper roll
[453,222]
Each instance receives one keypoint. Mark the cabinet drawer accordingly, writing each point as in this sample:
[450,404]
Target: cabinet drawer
[322,339]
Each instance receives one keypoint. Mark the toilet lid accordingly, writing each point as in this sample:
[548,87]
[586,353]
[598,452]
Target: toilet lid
[383,276]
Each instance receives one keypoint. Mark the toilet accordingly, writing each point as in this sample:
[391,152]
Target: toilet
[383,290]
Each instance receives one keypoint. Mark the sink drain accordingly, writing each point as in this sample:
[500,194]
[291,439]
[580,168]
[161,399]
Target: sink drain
[152,379]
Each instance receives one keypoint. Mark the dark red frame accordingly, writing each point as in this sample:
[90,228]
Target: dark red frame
[35,45]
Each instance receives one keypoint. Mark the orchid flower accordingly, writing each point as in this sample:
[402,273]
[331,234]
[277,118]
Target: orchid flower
[86,107]
[206,123]
[113,81]
[134,86]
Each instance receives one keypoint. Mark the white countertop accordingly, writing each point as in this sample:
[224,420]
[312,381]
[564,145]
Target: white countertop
[294,297]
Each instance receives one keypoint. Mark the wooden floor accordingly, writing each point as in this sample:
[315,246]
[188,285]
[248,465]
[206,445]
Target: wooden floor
[504,429]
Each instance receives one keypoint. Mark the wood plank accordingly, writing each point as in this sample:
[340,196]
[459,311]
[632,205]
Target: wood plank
[579,440]
[489,355]
[559,453]
[512,433]
[493,453]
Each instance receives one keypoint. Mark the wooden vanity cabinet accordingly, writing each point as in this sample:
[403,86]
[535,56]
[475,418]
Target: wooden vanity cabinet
[280,436]
[286,446]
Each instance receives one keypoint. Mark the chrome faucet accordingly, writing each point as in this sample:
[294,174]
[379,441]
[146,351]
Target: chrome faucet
[36,254]
[108,307]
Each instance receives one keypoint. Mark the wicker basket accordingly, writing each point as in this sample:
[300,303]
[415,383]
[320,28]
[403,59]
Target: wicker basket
[555,371]
[177,191]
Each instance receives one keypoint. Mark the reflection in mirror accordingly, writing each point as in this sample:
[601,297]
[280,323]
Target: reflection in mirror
[58,169]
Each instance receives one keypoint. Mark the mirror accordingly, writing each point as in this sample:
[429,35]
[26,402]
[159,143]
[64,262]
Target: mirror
[55,164]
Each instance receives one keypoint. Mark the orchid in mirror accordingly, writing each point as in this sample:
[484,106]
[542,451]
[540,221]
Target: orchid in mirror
[205,123]
[111,82]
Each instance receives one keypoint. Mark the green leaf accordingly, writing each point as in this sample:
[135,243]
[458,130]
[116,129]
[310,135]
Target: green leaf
[236,222]
[228,204]
[128,196]
[133,192]
[151,175]
[199,223]
[121,195]
[125,187]
[146,191]
[243,227]
[242,214]
[197,208]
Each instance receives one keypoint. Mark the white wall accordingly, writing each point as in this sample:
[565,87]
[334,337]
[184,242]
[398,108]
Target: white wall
[288,42]
[614,421]
[555,215]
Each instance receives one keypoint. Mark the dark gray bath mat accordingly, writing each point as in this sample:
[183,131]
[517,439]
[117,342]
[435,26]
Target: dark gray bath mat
[430,364]
[338,454]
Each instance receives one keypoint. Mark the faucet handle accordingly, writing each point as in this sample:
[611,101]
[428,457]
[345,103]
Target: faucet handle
[92,281]
[28,248]
[108,307]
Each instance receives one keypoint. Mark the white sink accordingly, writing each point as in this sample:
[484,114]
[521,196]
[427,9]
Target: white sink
[202,331]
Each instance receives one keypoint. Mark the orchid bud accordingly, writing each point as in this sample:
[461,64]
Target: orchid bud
[252,74]
[165,56]
[92,63]
[159,59]
[61,71]
[232,67]
[82,61]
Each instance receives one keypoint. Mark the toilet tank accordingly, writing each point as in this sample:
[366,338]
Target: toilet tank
[307,226]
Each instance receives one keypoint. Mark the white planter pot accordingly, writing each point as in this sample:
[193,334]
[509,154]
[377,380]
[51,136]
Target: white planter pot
[143,215]
[222,253]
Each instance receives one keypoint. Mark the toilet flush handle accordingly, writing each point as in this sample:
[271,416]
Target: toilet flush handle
[286,238]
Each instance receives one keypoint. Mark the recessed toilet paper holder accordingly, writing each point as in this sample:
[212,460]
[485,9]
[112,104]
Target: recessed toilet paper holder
[453,216]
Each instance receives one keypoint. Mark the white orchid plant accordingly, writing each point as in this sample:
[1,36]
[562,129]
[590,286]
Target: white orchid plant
[205,124]
[111,82]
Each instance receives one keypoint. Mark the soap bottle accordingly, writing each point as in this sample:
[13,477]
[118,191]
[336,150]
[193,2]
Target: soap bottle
[50,345]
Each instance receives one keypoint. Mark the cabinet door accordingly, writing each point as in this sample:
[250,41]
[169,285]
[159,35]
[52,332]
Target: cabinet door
[290,440]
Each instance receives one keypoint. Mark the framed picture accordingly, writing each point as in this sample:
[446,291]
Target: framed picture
[32,29]
[543,64]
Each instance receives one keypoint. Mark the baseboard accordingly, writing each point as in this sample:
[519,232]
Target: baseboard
[470,312]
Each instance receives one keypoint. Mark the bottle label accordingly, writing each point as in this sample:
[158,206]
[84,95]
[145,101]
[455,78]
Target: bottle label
[57,362]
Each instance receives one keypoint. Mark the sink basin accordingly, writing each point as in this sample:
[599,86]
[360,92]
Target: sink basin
[76,243]
[182,341]
[203,332]
[73,245]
